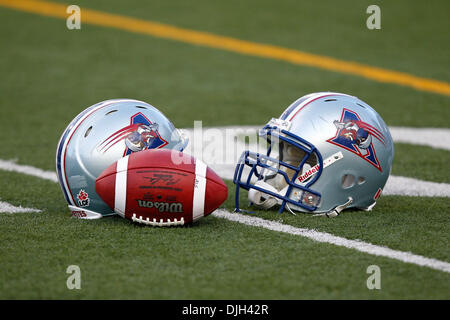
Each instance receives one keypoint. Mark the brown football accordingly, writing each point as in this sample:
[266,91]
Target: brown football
[161,187]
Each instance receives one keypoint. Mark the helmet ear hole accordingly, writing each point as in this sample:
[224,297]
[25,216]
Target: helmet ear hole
[108,113]
[347,181]
[87,131]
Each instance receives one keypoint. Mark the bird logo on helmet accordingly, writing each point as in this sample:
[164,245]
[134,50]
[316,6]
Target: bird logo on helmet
[355,136]
[141,134]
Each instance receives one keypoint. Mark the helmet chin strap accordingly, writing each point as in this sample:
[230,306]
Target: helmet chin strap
[335,212]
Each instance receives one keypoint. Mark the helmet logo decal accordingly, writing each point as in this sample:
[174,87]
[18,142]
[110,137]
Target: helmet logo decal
[141,134]
[83,198]
[145,137]
[356,136]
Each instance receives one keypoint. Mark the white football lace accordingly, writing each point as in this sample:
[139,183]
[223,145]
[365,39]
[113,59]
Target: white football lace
[157,223]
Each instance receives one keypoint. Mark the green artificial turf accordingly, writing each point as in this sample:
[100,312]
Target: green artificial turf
[49,74]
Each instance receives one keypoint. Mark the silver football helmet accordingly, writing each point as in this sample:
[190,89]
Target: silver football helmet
[327,152]
[99,136]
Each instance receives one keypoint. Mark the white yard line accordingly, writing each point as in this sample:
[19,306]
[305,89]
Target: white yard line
[431,137]
[404,186]
[6,207]
[11,165]
[335,240]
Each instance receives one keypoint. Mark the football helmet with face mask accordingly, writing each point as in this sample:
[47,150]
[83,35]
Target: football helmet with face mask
[326,152]
[101,135]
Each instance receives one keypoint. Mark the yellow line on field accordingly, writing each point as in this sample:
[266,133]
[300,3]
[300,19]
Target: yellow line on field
[231,44]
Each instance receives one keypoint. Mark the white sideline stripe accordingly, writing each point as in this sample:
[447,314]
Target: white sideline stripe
[11,165]
[6,207]
[404,186]
[430,137]
[338,241]
[120,197]
[198,202]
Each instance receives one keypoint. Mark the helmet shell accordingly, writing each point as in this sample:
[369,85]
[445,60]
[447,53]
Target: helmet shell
[98,137]
[335,122]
